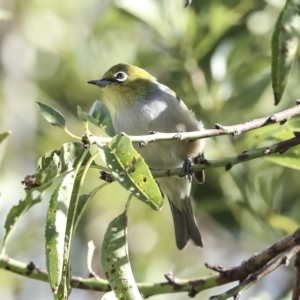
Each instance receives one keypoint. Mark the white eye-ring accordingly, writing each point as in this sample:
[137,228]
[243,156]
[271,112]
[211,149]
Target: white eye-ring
[121,76]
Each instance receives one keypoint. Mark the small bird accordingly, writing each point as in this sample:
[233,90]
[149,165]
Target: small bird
[142,105]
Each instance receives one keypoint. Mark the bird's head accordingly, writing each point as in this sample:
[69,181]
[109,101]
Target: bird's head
[124,85]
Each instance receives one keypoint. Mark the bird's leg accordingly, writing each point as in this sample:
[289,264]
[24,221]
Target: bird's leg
[187,168]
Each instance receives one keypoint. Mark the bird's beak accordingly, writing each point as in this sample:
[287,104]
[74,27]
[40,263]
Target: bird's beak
[100,82]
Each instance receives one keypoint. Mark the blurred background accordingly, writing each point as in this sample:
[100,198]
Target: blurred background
[216,55]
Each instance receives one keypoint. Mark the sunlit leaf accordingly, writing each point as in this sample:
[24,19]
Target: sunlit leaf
[115,261]
[56,230]
[53,116]
[131,171]
[284,46]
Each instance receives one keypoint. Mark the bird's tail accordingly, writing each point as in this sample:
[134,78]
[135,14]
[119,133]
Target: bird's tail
[185,224]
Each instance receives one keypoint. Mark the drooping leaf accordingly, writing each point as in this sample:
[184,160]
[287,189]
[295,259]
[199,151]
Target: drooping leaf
[4,135]
[131,171]
[56,230]
[53,116]
[284,46]
[17,211]
[115,261]
[98,115]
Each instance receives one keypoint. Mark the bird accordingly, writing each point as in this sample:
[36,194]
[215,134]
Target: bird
[144,105]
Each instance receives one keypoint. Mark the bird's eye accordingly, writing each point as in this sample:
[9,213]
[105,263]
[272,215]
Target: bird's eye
[121,76]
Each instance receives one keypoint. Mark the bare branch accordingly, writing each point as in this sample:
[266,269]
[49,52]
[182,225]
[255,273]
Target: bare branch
[234,130]
[258,265]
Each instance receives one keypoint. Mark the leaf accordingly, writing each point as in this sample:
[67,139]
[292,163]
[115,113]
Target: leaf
[17,211]
[115,261]
[284,46]
[55,162]
[61,221]
[53,116]
[56,230]
[4,135]
[131,171]
[98,115]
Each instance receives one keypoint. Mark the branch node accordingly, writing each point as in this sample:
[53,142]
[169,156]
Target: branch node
[243,155]
[178,136]
[85,141]
[236,133]
[296,133]
[173,280]
[105,176]
[143,144]
[168,173]
[228,166]
[267,151]
[219,126]
[283,122]
[272,119]
[285,260]
[30,268]
[152,132]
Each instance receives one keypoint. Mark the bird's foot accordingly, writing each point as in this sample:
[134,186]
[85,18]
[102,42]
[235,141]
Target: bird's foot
[187,168]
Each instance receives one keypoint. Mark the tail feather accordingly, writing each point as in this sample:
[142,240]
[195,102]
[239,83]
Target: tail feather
[185,224]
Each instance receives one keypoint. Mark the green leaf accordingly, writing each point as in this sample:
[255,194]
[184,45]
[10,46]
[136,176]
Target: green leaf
[53,116]
[98,115]
[284,46]
[131,171]
[56,230]
[115,261]
[60,228]
[55,162]
[17,211]
[4,135]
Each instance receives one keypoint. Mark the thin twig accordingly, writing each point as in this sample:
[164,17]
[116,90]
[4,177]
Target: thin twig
[283,258]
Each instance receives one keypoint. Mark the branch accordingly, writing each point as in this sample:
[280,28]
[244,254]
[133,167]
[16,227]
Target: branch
[248,272]
[296,289]
[234,130]
[229,162]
